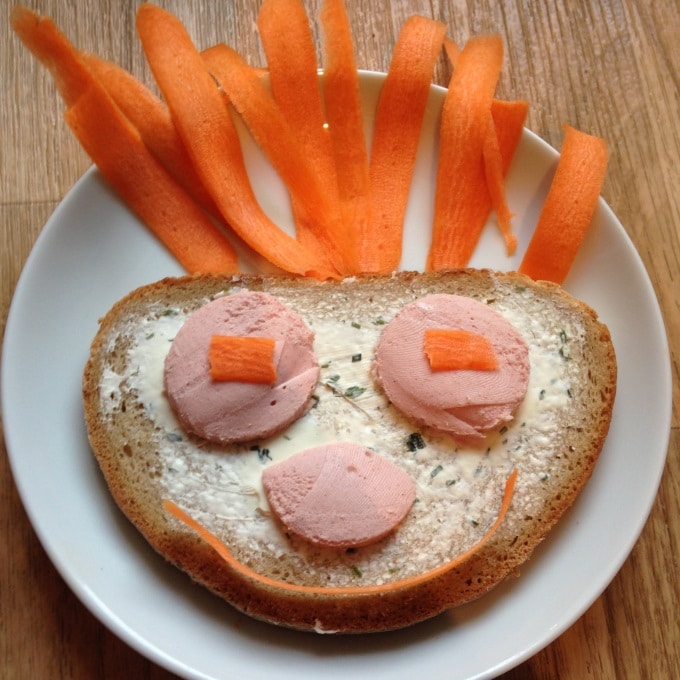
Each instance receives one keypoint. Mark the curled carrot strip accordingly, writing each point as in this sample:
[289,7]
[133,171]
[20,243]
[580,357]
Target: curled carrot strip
[500,143]
[208,132]
[396,133]
[569,207]
[294,80]
[342,99]
[315,209]
[493,170]
[119,153]
[146,187]
[223,551]
[459,215]
[150,115]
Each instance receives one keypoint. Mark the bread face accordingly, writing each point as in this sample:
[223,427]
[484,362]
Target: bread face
[553,443]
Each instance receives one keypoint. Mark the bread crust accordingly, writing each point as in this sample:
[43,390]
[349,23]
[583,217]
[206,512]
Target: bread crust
[124,449]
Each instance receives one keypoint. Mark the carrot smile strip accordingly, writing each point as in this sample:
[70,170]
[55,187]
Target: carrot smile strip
[223,551]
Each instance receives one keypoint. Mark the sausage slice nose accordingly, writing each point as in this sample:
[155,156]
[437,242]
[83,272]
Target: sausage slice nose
[340,495]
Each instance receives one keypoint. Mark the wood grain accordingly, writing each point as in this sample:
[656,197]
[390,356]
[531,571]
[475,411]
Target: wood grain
[609,67]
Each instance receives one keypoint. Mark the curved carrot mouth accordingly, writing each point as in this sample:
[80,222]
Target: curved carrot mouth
[223,551]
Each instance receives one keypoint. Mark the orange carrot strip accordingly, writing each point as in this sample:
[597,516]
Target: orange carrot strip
[315,209]
[146,187]
[49,45]
[569,207]
[493,169]
[152,118]
[295,86]
[398,120]
[247,359]
[116,148]
[294,78]
[208,132]
[450,349]
[223,551]
[452,51]
[508,116]
[459,215]
[342,99]
[508,119]
[499,148]
[500,145]
[150,115]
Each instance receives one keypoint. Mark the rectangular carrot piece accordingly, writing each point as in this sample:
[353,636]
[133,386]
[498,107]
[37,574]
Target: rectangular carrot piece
[316,210]
[396,134]
[151,116]
[569,207]
[295,86]
[204,123]
[236,358]
[342,98]
[449,349]
[459,215]
[118,151]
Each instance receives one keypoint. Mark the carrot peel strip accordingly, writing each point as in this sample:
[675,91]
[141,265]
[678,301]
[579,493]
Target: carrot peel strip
[296,89]
[235,358]
[150,115]
[449,349]
[342,100]
[223,551]
[118,151]
[46,42]
[569,207]
[493,169]
[146,187]
[459,215]
[248,94]
[500,143]
[398,120]
[209,134]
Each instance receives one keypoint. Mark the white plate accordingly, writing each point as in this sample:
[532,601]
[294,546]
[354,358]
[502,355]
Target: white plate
[93,251]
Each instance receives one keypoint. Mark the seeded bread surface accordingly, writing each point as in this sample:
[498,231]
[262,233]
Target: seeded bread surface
[554,457]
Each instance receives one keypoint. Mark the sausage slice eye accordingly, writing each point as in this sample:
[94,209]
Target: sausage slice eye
[466,403]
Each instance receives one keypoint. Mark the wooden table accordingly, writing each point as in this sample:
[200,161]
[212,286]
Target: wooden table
[608,67]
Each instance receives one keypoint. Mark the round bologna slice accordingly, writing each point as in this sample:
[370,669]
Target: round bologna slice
[339,495]
[227,412]
[466,403]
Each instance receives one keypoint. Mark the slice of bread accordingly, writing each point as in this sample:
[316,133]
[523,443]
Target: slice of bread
[553,442]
